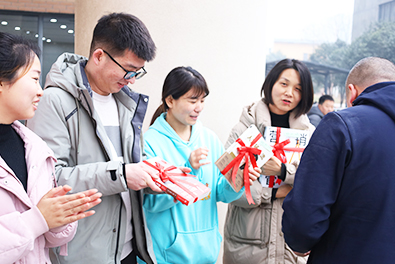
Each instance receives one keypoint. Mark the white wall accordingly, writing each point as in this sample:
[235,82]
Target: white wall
[223,39]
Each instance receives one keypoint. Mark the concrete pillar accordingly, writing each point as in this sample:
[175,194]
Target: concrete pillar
[224,40]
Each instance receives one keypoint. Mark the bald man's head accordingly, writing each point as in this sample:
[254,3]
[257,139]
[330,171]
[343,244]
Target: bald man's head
[366,72]
[369,71]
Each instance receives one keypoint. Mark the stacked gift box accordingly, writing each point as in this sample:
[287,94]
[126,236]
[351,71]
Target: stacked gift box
[290,144]
[183,187]
[250,149]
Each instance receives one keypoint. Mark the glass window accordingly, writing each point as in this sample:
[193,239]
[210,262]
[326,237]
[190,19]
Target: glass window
[21,25]
[54,33]
[59,38]
[387,12]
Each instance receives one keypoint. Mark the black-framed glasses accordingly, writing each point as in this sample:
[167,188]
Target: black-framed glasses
[128,74]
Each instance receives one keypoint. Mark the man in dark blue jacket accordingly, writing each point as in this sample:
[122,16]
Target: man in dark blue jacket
[342,206]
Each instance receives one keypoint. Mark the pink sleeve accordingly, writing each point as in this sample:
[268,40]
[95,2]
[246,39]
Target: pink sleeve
[18,232]
[60,236]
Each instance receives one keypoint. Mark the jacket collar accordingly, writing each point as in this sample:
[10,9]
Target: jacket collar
[258,113]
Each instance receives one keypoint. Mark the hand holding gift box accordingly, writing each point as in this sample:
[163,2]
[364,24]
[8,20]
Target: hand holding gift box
[249,148]
[288,145]
[183,187]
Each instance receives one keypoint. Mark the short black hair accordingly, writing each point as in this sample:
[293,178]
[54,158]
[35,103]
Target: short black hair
[118,32]
[16,52]
[305,79]
[325,97]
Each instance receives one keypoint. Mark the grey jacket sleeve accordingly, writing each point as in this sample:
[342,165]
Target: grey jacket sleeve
[290,172]
[81,171]
[315,119]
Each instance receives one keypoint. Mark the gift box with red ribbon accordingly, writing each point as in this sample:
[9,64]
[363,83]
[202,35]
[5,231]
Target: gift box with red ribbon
[288,145]
[183,187]
[249,150]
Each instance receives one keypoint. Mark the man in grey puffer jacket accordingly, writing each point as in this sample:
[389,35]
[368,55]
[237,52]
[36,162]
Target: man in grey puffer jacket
[324,106]
[92,121]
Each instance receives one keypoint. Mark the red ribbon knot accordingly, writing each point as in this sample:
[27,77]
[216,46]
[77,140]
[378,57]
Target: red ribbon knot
[165,175]
[248,154]
[278,151]
[162,172]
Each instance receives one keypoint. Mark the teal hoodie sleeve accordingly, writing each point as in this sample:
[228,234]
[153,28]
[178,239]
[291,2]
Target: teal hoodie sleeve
[156,203]
[225,192]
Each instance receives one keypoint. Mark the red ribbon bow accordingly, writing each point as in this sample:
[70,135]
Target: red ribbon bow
[278,151]
[165,175]
[248,154]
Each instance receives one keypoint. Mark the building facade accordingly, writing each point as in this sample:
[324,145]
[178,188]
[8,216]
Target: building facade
[368,12]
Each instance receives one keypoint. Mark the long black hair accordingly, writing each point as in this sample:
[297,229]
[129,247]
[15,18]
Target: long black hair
[16,52]
[177,83]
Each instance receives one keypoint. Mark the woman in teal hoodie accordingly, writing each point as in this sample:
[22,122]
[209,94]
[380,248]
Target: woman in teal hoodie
[186,234]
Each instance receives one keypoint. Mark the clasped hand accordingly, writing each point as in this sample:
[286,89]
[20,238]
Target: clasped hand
[59,209]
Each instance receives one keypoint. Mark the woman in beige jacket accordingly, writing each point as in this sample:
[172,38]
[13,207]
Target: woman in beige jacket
[253,232]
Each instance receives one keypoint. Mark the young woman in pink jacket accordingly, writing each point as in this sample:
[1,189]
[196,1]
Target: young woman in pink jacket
[34,215]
